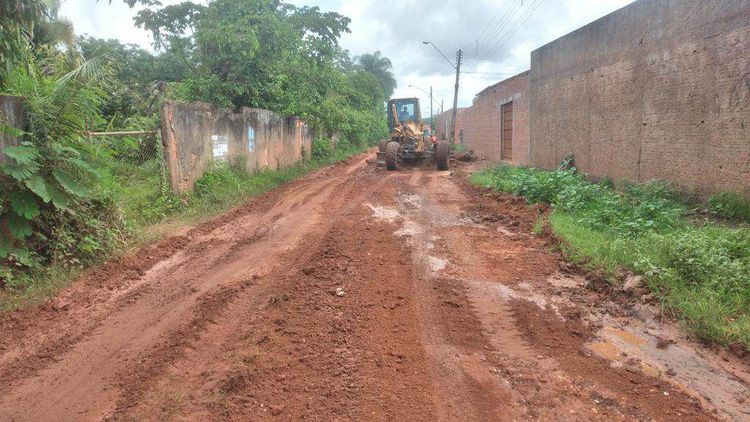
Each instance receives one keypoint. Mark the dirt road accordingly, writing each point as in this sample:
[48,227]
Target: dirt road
[357,294]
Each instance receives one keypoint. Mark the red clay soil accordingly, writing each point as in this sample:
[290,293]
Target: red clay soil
[350,294]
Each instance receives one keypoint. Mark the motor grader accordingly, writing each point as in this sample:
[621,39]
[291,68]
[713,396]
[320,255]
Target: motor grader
[408,139]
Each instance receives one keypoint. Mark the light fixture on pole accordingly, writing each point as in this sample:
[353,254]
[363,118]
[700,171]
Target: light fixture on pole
[432,116]
[457,66]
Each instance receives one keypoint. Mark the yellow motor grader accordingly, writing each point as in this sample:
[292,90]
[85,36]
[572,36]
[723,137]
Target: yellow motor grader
[409,140]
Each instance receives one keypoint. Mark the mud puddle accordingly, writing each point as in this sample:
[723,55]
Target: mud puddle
[661,351]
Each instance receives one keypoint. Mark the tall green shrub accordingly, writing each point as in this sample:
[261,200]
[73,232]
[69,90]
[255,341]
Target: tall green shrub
[46,200]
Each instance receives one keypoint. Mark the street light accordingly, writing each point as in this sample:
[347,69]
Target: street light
[432,116]
[457,66]
[414,86]
[441,53]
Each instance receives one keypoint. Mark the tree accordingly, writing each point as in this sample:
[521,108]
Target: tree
[44,184]
[256,53]
[379,66]
[54,30]
[17,21]
[273,55]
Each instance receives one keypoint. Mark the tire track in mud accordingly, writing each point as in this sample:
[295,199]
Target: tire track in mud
[545,371]
[295,342]
[315,217]
[350,294]
[161,296]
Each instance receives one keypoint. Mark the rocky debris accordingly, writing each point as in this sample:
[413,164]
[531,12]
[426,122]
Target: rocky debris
[632,282]
[62,305]
[467,156]
[276,410]
[663,342]
[648,298]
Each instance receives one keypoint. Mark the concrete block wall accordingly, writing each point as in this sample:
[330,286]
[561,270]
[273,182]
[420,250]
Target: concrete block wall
[11,114]
[482,121]
[196,134]
[659,89]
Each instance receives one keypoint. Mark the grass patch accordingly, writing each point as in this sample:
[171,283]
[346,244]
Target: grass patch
[730,205]
[150,211]
[701,272]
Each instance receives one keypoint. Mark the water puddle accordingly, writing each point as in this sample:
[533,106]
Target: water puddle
[683,365]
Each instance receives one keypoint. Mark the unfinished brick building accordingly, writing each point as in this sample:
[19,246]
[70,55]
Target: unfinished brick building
[443,123]
[496,126]
[659,89]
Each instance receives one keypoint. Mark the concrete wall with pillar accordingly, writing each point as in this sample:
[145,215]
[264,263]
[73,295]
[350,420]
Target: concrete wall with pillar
[196,134]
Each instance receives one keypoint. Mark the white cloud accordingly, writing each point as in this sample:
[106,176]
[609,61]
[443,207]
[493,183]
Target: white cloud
[396,28]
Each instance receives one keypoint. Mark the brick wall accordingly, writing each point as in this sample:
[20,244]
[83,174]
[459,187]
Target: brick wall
[657,90]
[443,123]
[482,121]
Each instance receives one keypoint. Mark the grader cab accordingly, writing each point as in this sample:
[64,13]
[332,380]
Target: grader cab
[409,141]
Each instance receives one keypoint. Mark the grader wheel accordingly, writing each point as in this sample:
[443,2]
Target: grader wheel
[442,151]
[391,155]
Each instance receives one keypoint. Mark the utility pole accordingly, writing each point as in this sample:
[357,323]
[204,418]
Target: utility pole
[442,110]
[432,116]
[455,97]
[457,66]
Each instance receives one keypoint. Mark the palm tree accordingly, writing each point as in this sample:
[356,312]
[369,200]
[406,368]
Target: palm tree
[25,24]
[54,30]
[379,66]
[17,19]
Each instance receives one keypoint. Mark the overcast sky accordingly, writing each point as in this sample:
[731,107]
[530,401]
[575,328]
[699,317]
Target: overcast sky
[496,35]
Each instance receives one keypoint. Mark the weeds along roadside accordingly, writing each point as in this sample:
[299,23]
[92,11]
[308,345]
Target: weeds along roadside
[147,210]
[697,268]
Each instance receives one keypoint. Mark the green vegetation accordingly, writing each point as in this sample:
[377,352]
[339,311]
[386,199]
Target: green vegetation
[379,66]
[68,201]
[49,201]
[730,205]
[228,184]
[458,148]
[702,272]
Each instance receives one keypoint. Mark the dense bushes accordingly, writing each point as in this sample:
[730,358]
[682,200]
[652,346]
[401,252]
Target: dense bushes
[48,197]
[67,200]
[637,209]
[701,271]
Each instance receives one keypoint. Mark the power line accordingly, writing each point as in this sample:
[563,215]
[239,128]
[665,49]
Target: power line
[502,32]
[512,31]
[489,24]
[509,13]
[502,25]
[491,73]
